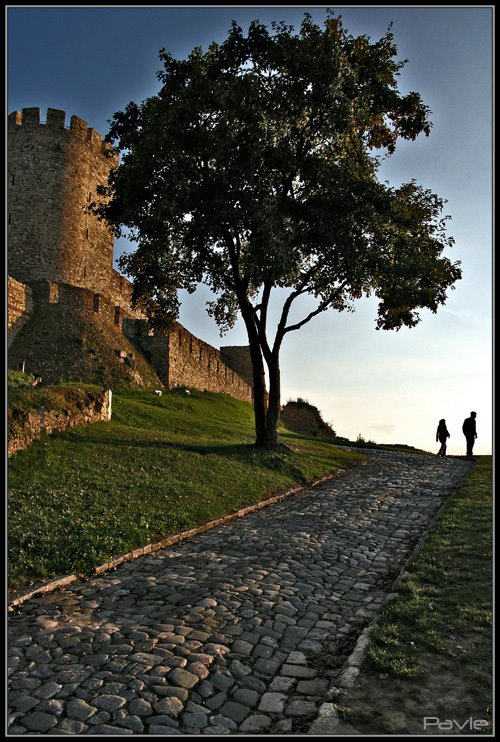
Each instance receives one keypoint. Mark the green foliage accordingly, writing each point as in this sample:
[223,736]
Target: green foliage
[81,497]
[253,170]
[19,379]
[363,443]
[301,402]
[270,137]
[343,711]
[310,420]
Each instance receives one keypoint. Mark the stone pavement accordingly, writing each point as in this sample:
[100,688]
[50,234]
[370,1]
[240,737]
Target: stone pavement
[241,630]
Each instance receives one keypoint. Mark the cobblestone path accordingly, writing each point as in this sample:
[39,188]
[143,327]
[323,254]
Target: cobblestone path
[240,630]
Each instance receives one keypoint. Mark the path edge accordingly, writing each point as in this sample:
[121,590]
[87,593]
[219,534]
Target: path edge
[328,720]
[60,582]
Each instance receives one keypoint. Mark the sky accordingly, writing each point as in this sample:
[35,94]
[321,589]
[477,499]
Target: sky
[385,386]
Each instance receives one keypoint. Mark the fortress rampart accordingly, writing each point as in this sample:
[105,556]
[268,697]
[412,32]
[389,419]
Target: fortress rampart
[238,357]
[52,175]
[20,307]
[181,359]
[60,256]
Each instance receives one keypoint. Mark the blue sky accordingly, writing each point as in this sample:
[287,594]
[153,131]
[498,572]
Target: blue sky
[391,387]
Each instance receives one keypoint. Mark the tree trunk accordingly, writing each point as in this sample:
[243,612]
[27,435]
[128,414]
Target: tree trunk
[258,373]
[259,394]
[274,404]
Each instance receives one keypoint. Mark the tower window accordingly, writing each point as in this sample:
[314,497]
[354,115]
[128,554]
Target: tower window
[117,315]
[13,179]
[87,233]
[10,218]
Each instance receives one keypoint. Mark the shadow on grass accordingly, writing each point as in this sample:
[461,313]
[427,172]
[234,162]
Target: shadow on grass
[238,451]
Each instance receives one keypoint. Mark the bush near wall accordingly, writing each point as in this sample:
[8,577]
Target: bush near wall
[35,412]
[305,419]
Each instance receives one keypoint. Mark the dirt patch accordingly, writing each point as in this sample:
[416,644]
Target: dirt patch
[448,699]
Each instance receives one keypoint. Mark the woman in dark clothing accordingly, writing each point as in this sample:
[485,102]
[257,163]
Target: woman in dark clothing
[442,435]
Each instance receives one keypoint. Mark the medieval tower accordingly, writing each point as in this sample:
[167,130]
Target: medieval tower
[70,316]
[53,172]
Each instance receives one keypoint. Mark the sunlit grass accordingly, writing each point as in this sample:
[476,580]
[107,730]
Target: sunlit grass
[162,464]
[444,605]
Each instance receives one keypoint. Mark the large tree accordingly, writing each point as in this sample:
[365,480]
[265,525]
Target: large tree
[254,169]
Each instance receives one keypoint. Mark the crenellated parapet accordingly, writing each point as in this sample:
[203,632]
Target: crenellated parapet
[30,119]
[54,173]
[60,266]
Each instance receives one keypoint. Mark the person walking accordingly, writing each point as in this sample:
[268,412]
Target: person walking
[442,436]
[469,430]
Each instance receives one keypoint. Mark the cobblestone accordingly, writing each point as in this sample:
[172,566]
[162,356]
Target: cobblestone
[232,631]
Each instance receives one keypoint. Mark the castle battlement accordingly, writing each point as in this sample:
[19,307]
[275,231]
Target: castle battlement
[54,172]
[30,119]
[61,275]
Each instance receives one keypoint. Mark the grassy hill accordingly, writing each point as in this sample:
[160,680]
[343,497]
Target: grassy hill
[162,464]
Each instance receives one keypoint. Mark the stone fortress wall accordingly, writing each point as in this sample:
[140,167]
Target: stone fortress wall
[60,254]
[20,307]
[52,175]
[181,359]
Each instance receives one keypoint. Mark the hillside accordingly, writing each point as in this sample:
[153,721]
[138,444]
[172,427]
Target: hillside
[62,345]
[80,497]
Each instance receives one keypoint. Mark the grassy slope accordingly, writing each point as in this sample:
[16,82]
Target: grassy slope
[431,652]
[161,464]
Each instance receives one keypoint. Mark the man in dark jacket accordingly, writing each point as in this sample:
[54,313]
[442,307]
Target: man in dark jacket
[469,430]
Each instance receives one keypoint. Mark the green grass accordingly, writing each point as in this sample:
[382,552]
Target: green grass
[23,400]
[19,379]
[81,497]
[442,617]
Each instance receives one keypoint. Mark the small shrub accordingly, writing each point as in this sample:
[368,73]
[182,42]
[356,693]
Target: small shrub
[19,379]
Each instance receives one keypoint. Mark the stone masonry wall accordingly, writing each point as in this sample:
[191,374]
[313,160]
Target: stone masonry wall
[19,307]
[181,359]
[154,348]
[195,363]
[30,426]
[238,357]
[53,174]
[22,302]
[64,254]
[120,294]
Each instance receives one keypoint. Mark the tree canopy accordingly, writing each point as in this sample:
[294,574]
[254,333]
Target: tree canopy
[255,168]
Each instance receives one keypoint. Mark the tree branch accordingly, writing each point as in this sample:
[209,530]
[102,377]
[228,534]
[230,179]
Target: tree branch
[302,289]
[261,321]
[320,308]
[240,282]
[264,305]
